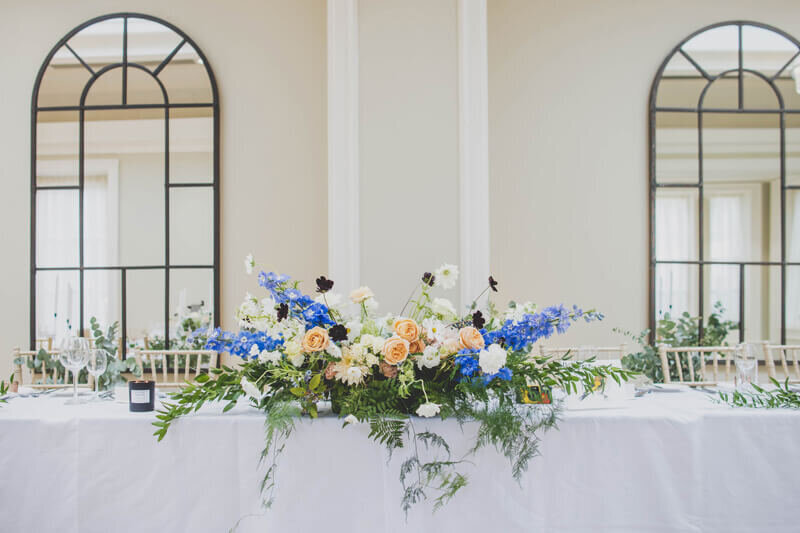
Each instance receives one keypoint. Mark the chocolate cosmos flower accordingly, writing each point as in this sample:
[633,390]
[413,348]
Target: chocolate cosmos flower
[338,333]
[428,279]
[324,284]
[477,320]
[283,311]
[492,284]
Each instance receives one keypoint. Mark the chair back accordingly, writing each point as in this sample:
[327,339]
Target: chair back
[173,368]
[788,355]
[582,353]
[28,373]
[674,356]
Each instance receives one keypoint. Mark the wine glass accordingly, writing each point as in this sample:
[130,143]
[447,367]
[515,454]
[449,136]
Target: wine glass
[96,364]
[746,361]
[73,355]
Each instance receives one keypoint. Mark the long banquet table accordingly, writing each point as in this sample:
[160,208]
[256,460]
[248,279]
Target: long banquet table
[664,462]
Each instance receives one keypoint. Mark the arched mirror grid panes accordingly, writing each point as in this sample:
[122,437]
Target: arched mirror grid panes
[725,182]
[124,184]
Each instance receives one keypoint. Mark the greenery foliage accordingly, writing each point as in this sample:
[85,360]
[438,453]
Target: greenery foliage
[116,367]
[781,397]
[682,330]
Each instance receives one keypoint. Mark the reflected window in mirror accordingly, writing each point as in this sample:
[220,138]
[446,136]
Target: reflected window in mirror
[725,182]
[124,183]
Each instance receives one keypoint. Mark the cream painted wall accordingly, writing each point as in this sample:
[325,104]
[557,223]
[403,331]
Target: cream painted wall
[568,96]
[408,90]
[270,61]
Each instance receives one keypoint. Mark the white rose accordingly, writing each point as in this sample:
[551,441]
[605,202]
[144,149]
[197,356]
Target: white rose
[430,357]
[428,409]
[361,294]
[443,306]
[292,348]
[377,344]
[492,359]
[297,359]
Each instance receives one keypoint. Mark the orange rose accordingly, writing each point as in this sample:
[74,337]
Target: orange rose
[470,338]
[315,340]
[416,347]
[395,350]
[407,329]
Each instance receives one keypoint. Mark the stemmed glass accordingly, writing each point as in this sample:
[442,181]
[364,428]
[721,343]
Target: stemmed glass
[746,360]
[73,355]
[96,364]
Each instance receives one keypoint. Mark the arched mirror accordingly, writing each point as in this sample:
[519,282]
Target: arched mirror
[725,181]
[124,184]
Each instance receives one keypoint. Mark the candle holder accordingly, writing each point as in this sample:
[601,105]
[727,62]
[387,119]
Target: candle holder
[141,396]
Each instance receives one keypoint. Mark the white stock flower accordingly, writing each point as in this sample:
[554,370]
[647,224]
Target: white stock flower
[251,390]
[492,359]
[371,359]
[443,307]
[430,357]
[297,359]
[292,348]
[428,409]
[249,263]
[350,419]
[361,294]
[446,276]
[269,357]
[254,351]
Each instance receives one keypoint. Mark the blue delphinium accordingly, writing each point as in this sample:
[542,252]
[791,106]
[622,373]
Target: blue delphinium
[504,374]
[521,334]
[466,363]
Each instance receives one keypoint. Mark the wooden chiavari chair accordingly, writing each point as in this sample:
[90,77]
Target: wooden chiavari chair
[789,356]
[166,368]
[581,353]
[693,354]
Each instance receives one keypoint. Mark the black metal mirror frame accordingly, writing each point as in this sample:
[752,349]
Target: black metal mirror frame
[654,186]
[81,109]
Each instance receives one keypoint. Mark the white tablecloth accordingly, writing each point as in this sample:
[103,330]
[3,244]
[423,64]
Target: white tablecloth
[664,462]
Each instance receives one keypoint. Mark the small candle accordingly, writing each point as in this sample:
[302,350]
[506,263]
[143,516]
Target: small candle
[141,396]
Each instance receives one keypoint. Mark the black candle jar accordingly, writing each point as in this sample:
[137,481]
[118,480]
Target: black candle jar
[141,396]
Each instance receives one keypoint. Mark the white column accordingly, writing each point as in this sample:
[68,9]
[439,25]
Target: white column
[343,199]
[473,105]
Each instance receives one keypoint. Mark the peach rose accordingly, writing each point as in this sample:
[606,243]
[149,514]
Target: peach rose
[416,347]
[395,350]
[471,338]
[315,340]
[407,329]
[361,294]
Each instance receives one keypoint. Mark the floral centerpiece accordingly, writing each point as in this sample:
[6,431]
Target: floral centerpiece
[428,360]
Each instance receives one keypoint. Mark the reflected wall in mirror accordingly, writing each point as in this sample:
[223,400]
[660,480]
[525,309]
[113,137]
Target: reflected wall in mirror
[724,181]
[124,184]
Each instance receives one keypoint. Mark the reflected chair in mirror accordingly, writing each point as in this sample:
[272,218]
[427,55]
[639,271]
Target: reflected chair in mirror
[173,368]
[692,362]
[789,356]
[582,353]
[29,373]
